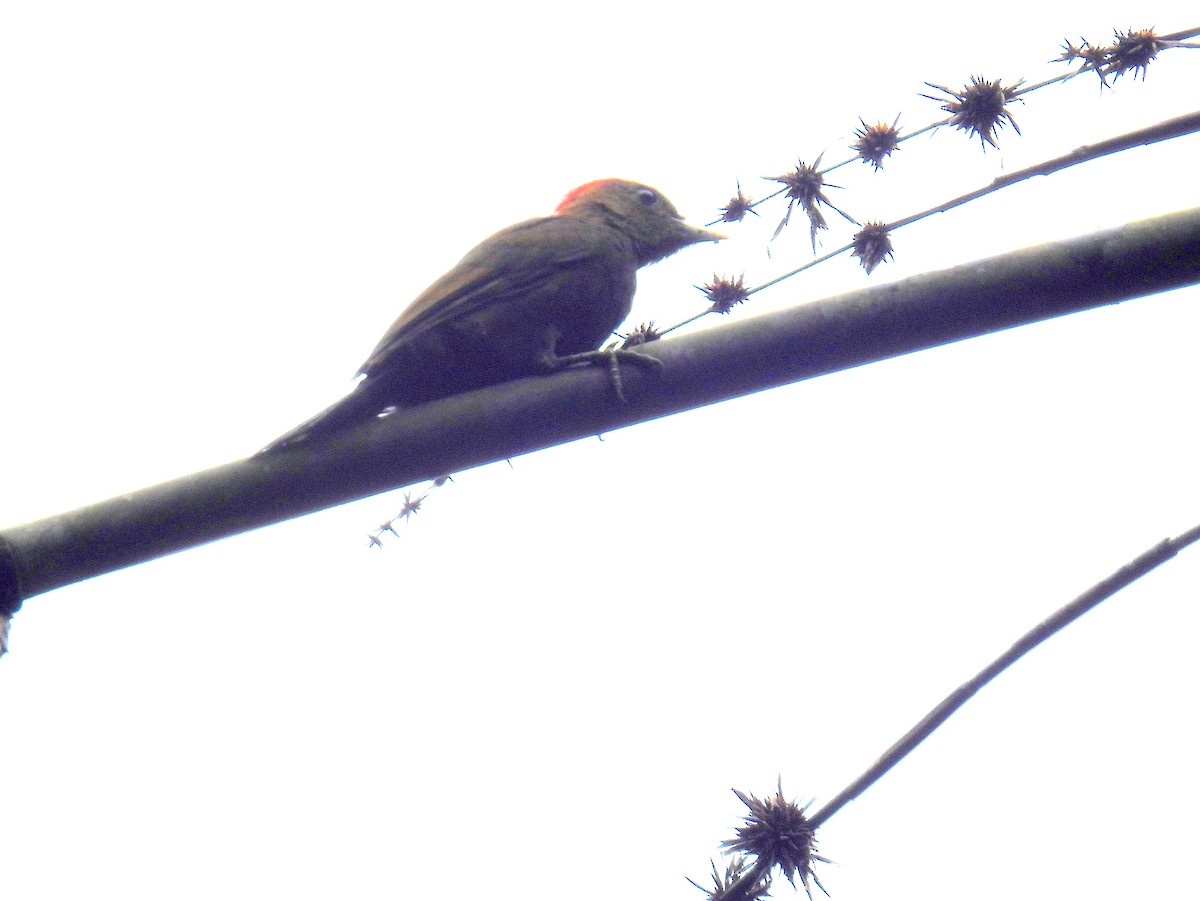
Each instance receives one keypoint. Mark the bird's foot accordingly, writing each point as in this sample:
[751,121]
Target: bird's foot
[610,358]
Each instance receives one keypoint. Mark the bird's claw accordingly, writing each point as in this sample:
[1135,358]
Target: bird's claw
[612,359]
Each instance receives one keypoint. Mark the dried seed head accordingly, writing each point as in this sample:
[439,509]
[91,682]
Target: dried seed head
[803,186]
[725,886]
[1132,51]
[1092,57]
[777,833]
[737,208]
[872,245]
[1070,52]
[411,505]
[980,107]
[643,334]
[725,293]
[876,142]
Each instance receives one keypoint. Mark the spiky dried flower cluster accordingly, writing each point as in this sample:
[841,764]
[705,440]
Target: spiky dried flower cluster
[1093,57]
[803,186]
[872,245]
[1133,51]
[777,832]
[728,887]
[980,108]
[411,506]
[1130,51]
[876,142]
[737,208]
[725,293]
[643,334]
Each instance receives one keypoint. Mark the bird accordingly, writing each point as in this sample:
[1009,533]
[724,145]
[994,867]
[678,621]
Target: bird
[533,298]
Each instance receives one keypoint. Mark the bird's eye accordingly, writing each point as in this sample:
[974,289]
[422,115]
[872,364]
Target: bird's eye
[646,196]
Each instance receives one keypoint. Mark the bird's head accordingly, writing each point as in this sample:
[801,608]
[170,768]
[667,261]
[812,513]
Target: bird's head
[639,211]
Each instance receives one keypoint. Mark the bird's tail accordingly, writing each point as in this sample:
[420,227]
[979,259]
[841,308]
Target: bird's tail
[356,407]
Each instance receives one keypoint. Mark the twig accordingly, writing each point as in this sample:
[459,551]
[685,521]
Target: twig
[1126,575]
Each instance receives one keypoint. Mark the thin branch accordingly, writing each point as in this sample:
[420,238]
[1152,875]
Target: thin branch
[1066,615]
[1161,131]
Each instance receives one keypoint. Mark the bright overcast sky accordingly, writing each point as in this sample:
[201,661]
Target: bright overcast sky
[546,687]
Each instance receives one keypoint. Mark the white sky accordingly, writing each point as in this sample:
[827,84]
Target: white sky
[547,686]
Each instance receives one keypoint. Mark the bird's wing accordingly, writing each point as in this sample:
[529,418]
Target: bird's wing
[513,263]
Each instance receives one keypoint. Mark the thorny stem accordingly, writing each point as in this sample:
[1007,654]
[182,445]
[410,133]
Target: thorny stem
[1066,615]
[1175,39]
[1166,39]
[1162,131]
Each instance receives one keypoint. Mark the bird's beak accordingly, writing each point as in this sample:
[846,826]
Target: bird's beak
[703,234]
